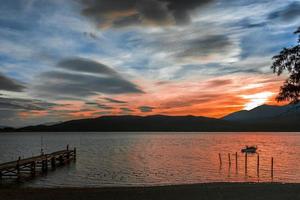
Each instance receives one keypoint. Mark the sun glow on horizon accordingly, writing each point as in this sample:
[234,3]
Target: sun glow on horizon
[256,99]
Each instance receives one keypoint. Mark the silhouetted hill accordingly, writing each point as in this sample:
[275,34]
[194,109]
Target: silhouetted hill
[137,123]
[265,112]
[262,118]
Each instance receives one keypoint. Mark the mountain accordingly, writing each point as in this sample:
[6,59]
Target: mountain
[137,123]
[263,118]
[265,112]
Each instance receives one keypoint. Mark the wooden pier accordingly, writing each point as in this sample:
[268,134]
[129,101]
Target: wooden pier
[30,167]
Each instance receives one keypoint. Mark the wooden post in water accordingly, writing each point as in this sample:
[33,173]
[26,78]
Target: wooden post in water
[229,159]
[272,165]
[74,154]
[46,164]
[68,154]
[18,167]
[43,165]
[236,161]
[61,160]
[257,167]
[246,162]
[33,168]
[220,159]
[53,163]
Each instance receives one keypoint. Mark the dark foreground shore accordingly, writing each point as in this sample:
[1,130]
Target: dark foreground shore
[214,191]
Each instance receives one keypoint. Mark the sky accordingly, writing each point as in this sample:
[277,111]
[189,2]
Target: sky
[71,59]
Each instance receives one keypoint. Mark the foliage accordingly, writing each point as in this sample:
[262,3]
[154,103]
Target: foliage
[289,59]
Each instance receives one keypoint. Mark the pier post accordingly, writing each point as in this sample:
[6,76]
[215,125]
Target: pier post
[257,167]
[53,163]
[246,162]
[229,159]
[46,164]
[61,160]
[236,161]
[74,154]
[220,159]
[272,165]
[33,168]
[43,166]
[68,154]
[18,167]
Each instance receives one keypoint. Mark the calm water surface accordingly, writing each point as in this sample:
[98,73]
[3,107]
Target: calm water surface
[122,159]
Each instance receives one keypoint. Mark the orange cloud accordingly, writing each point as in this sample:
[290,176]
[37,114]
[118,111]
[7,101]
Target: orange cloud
[213,98]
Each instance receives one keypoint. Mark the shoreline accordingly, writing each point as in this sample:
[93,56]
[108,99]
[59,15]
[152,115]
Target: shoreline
[224,191]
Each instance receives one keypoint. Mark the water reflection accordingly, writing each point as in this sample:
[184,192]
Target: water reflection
[106,159]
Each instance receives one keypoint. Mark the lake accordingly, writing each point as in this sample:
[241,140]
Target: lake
[130,159]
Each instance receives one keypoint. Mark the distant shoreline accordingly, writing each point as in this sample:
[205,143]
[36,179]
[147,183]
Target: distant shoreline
[215,191]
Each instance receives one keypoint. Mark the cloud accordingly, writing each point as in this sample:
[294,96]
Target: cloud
[146,109]
[206,46]
[122,13]
[8,117]
[9,84]
[99,105]
[114,100]
[79,78]
[125,110]
[218,83]
[18,111]
[287,14]
[87,66]
[189,45]
[24,104]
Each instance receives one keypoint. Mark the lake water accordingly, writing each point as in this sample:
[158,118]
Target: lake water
[123,159]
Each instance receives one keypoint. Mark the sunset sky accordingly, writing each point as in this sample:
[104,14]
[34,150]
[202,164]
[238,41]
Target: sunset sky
[71,59]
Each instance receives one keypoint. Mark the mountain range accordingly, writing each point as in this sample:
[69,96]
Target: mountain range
[262,118]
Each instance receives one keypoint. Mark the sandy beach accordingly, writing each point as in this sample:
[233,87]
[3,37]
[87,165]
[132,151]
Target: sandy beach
[215,191]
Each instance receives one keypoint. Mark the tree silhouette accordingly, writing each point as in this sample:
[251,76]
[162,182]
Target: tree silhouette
[289,59]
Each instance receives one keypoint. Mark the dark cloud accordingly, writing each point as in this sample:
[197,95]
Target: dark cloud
[286,14]
[24,104]
[83,78]
[114,100]
[12,108]
[205,46]
[146,109]
[9,84]
[126,110]
[120,13]
[154,11]
[90,35]
[126,21]
[248,23]
[99,105]
[87,66]
[187,46]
